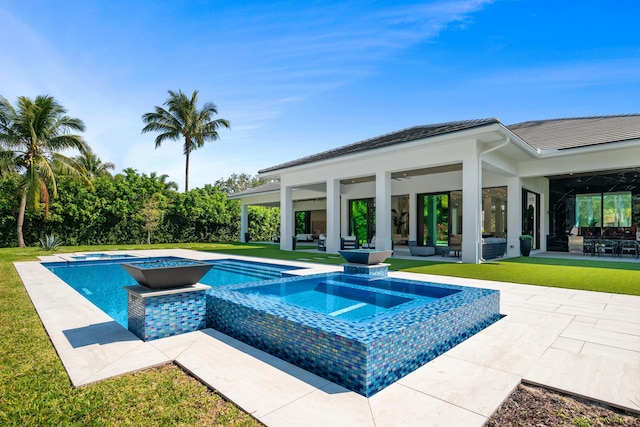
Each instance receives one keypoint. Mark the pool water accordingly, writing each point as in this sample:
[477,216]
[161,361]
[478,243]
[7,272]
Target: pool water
[96,256]
[164,263]
[350,297]
[102,281]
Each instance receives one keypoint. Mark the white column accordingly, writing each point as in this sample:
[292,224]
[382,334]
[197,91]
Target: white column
[471,206]
[545,221]
[244,222]
[333,215]
[286,218]
[514,216]
[413,216]
[344,217]
[383,210]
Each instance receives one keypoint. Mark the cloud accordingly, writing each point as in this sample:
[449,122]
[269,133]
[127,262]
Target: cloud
[258,63]
[569,75]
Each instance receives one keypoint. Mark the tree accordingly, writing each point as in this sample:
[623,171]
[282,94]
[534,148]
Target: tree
[152,212]
[35,131]
[93,165]
[182,119]
[239,182]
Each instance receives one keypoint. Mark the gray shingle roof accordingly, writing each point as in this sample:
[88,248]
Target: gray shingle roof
[405,135]
[562,134]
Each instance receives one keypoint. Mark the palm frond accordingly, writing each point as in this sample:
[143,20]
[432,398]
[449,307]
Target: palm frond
[181,118]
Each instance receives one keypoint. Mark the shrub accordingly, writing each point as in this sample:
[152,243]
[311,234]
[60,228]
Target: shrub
[50,242]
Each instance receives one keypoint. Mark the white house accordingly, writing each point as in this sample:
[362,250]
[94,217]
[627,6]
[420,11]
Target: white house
[465,180]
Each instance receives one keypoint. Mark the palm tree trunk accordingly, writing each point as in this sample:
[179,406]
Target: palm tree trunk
[20,221]
[186,173]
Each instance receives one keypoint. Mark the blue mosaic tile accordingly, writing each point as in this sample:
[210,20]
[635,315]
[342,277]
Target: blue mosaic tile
[381,270]
[163,316]
[363,356]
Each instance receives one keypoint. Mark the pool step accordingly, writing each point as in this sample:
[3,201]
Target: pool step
[347,309]
[249,271]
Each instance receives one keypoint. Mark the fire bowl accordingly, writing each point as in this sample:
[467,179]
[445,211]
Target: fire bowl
[165,274]
[365,256]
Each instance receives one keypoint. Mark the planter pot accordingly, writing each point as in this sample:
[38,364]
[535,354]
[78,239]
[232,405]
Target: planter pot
[365,256]
[525,247]
[167,274]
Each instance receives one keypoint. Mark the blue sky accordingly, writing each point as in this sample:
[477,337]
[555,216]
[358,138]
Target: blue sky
[296,78]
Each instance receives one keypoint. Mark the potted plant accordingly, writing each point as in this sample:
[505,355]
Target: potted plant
[525,244]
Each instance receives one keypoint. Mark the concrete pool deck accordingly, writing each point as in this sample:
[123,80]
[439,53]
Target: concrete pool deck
[582,342]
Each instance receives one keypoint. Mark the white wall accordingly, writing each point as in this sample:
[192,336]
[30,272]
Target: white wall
[597,160]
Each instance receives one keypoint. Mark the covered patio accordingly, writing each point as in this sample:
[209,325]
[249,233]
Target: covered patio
[456,183]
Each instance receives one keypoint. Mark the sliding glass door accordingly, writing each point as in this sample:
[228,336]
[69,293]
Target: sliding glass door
[302,222]
[531,216]
[362,219]
[433,219]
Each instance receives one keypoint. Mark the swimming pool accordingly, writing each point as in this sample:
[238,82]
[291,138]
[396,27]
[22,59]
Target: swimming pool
[405,323]
[101,281]
[362,332]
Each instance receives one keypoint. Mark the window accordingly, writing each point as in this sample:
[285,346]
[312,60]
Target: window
[604,210]
[494,211]
[616,209]
[588,210]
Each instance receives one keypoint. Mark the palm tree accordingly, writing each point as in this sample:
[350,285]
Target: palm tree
[34,132]
[7,162]
[93,165]
[183,119]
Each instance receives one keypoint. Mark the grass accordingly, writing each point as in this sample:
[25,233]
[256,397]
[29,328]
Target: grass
[35,388]
[587,274]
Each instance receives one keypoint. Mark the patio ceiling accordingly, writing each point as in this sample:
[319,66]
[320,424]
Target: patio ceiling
[406,174]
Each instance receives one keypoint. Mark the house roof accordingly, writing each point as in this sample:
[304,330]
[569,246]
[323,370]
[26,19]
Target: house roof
[398,137]
[552,134]
[563,134]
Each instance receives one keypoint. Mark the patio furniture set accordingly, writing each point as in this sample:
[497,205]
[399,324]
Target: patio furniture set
[613,247]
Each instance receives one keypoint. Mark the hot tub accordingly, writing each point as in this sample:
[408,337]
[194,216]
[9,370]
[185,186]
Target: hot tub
[361,332]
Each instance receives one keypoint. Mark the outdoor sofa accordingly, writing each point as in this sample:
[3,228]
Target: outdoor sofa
[416,250]
[348,242]
[303,237]
[493,247]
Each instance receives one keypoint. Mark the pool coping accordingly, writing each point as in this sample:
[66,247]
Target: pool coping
[582,342]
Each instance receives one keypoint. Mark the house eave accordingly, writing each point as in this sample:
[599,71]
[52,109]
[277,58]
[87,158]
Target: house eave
[246,196]
[465,133]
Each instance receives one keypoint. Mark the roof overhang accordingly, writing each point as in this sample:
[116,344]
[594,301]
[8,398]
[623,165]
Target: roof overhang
[489,134]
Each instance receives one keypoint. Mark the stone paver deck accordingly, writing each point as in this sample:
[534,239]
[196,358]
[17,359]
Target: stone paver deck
[584,343]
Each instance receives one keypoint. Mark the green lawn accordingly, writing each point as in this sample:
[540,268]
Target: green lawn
[35,389]
[588,273]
